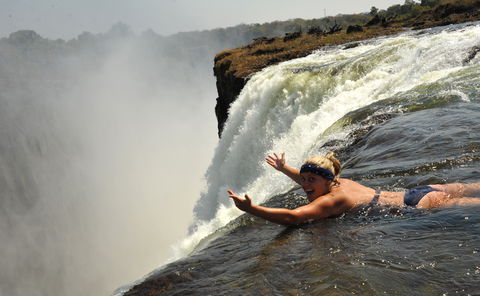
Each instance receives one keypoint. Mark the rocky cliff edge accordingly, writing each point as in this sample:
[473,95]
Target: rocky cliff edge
[234,67]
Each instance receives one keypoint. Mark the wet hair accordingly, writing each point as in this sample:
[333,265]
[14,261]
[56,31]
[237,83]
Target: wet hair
[328,162]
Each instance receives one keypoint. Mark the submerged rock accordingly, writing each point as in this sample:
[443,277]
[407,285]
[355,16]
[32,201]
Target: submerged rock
[471,55]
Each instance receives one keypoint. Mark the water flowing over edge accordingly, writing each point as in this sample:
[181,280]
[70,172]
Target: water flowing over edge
[290,108]
[297,106]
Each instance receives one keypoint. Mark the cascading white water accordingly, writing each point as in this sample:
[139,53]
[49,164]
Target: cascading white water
[93,149]
[291,106]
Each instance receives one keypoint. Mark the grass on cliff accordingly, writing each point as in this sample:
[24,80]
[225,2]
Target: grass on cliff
[244,61]
[254,57]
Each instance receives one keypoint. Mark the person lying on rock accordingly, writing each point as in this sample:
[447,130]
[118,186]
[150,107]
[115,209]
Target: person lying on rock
[330,195]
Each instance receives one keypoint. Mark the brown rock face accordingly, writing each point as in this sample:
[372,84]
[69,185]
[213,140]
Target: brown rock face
[234,67]
[229,87]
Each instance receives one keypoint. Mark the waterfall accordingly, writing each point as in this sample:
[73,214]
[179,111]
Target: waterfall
[297,106]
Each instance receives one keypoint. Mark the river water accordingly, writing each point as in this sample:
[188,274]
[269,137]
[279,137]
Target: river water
[399,112]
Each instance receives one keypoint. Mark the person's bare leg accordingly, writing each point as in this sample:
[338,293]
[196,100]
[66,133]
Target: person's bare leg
[437,199]
[434,199]
[472,189]
[463,201]
[459,189]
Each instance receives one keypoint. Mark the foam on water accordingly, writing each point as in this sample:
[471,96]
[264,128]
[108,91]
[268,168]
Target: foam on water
[289,107]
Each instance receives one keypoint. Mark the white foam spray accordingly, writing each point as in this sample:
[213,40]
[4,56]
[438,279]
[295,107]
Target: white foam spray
[289,107]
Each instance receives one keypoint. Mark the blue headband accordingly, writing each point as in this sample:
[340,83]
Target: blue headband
[315,169]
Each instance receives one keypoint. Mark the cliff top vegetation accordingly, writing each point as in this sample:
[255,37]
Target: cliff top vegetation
[264,51]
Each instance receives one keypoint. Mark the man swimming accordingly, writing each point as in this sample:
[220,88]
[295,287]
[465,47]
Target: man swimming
[330,195]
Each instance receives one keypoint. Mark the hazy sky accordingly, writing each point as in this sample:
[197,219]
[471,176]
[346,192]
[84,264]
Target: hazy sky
[68,18]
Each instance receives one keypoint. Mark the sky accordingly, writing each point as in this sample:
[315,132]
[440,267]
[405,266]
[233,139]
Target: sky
[66,19]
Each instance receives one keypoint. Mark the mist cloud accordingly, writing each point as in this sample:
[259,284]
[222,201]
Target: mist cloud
[102,158]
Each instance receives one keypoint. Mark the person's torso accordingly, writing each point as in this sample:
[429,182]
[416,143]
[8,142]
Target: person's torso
[358,194]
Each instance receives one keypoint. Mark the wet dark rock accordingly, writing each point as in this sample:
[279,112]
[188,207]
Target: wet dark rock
[471,54]
[351,45]
[229,87]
